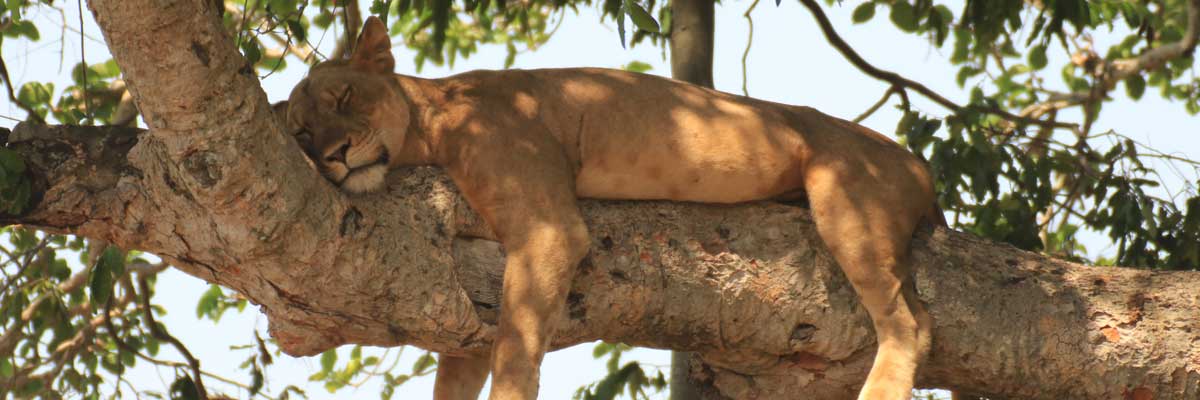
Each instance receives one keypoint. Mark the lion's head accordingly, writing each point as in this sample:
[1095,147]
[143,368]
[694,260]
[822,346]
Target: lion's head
[350,116]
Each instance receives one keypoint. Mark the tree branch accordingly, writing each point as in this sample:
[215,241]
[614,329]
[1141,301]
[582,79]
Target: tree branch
[750,288]
[874,107]
[1109,73]
[351,20]
[895,79]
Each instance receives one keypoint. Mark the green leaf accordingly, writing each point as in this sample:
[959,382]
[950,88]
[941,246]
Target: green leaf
[34,93]
[353,367]
[637,66]
[107,69]
[610,386]
[11,163]
[511,55]
[323,20]
[863,12]
[1192,220]
[378,7]
[966,72]
[101,282]
[328,358]
[423,364]
[251,51]
[641,18]
[184,389]
[904,16]
[6,368]
[940,26]
[256,381]
[207,304]
[297,30]
[25,28]
[114,259]
[1135,86]
[152,346]
[281,6]
[1037,57]
[601,349]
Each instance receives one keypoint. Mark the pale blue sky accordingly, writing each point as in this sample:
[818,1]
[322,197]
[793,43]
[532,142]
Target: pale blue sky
[789,62]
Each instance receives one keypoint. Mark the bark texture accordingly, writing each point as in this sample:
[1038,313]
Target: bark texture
[216,189]
[749,288]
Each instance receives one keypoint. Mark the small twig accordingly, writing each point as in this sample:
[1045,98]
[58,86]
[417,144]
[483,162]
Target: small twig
[152,325]
[749,41]
[246,11]
[351,18]
[87,105]
[13,279]
[28,255]
[904,99]
[874,107]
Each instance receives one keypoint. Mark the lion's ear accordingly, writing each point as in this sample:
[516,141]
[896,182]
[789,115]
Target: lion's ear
[373,51]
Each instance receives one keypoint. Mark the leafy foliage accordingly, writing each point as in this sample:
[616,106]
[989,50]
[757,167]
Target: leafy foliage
[629,378]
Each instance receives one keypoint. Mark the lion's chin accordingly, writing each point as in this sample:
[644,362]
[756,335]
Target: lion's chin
[366,179]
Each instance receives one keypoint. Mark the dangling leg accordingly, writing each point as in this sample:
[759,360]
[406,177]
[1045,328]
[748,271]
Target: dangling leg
[460,378]
[868,234]
[530,204]
[537,276]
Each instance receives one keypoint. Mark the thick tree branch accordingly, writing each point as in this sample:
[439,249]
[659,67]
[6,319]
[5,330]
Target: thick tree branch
[750,288]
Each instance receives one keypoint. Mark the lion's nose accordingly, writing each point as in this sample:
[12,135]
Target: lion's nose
[338,154]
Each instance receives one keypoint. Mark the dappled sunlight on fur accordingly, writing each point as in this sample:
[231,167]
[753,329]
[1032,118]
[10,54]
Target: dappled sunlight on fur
[522,146]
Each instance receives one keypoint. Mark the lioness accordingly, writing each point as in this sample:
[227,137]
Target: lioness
[522,146]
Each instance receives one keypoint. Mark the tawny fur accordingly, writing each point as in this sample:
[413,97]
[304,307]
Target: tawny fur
[522,146]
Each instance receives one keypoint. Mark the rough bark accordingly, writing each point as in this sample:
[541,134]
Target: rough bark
[750,288]
[218,191]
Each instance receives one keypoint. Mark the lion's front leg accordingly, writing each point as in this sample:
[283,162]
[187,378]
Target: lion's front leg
[537,276]
[460,378]
[523,186]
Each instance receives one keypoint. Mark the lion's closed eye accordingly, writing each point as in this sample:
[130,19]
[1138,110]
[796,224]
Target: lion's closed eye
[342,105]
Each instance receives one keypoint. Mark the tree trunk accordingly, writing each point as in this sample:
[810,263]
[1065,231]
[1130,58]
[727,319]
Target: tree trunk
[216,189]
[691,42]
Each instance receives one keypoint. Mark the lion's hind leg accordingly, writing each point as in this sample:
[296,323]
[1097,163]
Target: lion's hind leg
[460,378]
[867,228]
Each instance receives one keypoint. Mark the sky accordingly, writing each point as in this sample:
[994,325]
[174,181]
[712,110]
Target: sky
[789,62]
